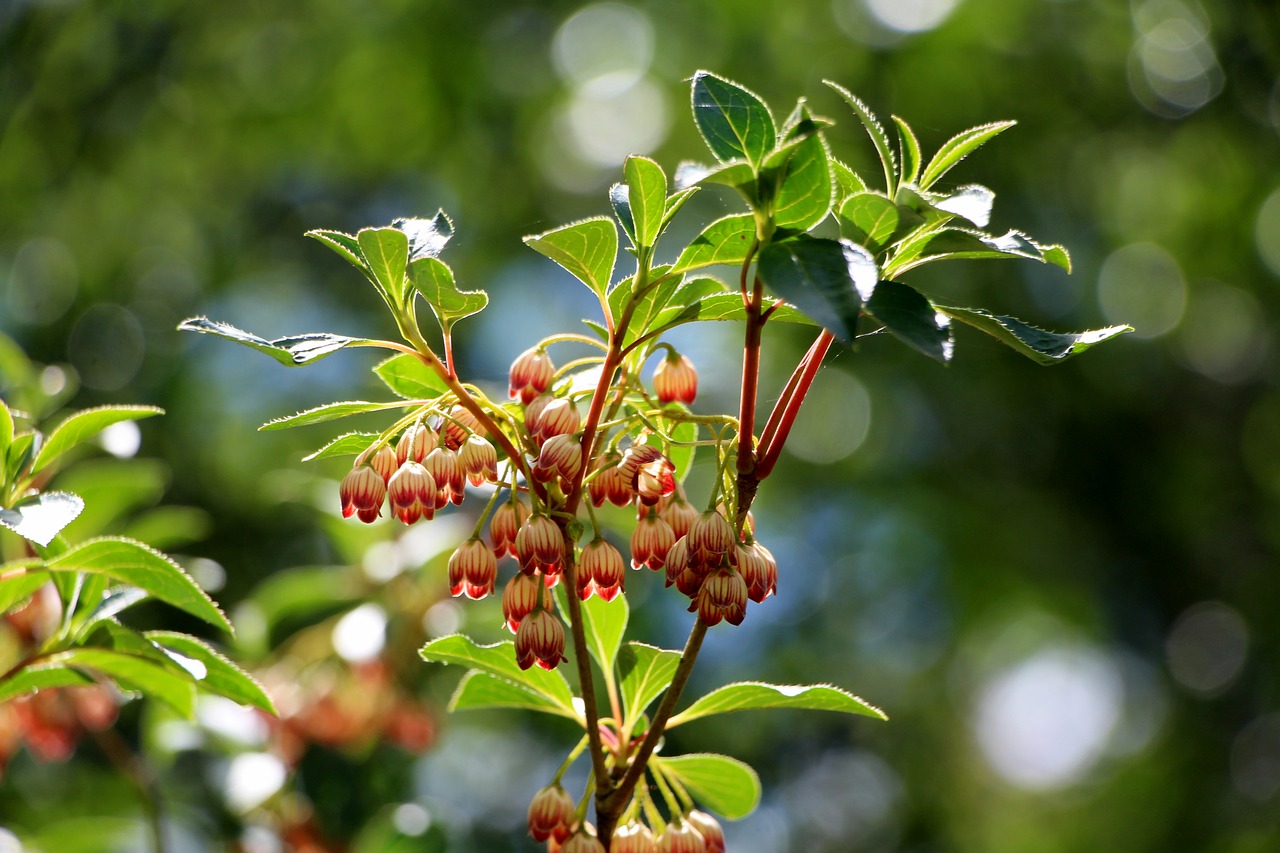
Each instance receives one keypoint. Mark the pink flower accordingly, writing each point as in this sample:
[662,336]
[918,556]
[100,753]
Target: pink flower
[531,374]
[600,571]
[362,492]
[551,814]
[504,526]
[650,542]
[540,640]
[675,380]
[412,492]
[473,570]
[416,442]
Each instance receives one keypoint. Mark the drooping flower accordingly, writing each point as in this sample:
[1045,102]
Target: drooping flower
[540,640]
[600,570]
[385,462]
[521,596]
[478,459]
[416,442]
[709,828]
[551,814]
[675,380]
[650,541]
[447,472]
[723,596]
[680,514]
[610,483]
[473,570]
[531,374]
[460,423]
[561,456]
[505,524]
[759,569]
[632,837]
[362,492]
[540,545]
[412,493]
[710,535]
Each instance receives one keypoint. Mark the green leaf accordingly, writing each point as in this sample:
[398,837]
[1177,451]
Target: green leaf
[645,672]
[846,181]
[684,433]
[873,220]
[291,352]
[19,454]
[674,296]
[499,660]
[738,174]
[427,237]
[434,280]
[878,137]
[85,424]
[958,147]
[587,249]
[111,604]
[816,275]
[724,785]
[387,252]
[909,151]
[408,377]
[620,199]
[139,674]
[674,202]
[725,306]
[349,444]
[329,412]
[1036,344]
[221,675]
[912,319]
[479,690]
[6,428]
[725,241]
[134,563]
[805,190]
[733,121]
[647,185]
[345,245]
[965,244]
[605,622]
[755,695]
[42,676]
[43,517]
[973,202]
[18,582]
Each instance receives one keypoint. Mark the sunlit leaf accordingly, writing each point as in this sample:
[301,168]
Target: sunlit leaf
[479,690]
[1036,344]
[499,660]
[587,249]
[84,425]
[645,672]
[755,695]
[136,673]
[221,675]
[909,151]
[648,197]
[906,313]
[816,276]
[722,784]
[805,190]
[41,676]
[957,148]
[433,279]
[733,120]
[427,237]
[350,444]
[345,245]
[386,250]
[408,377]
[292,351]
[42,518]
[328,412]
[725,241]
[878,137]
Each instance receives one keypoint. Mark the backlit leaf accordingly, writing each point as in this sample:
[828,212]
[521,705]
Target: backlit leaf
[84,425]
[587,249]
[292,351]
[386,250]
[957,148]
[725,241]
[1036,344]
[499,660]
[221,675]
[755,695]
[734,121]
[815,275]
[43,517]
[408,377]
[328,412]
[724,785]
[433,279]
[645,672]
[906,313]
[479,690]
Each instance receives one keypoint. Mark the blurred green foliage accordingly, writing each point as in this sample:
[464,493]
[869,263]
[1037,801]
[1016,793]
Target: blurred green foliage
[1061,584]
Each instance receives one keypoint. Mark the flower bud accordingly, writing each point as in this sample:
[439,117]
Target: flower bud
[675,380]
[447,472]
[460,423]
[540,640]
[723,596]
[551,813]
[384,461]
[473,570]
[362,492]
[677,559]
[680,837]
[557,417]
[633,837]
[650,542]
[710,534]
[540,545]
[600,570]
[582,842]
[479,460]
[416,442]
[412,493]
[759,569]
[561,456]
[611,483]
[505,524]
[521,596]
[531,374]
[680,514]
[709,828]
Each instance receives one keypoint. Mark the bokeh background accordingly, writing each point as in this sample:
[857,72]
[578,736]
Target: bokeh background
[1062,584]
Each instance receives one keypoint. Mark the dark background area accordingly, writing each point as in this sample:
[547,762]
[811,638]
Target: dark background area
[1060,583]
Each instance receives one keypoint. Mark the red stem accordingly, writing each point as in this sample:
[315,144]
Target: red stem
[785,410]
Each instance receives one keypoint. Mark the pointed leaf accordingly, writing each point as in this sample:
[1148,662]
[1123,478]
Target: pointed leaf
[816,276]
[846,180]
[133,563]
[805,190]
[685,294]
[648,197]
[345,245]
[386,250]
[6,428]
[434,280]
[43,676]
[427,237]
[973,202]
[221,675]
[620,199]
[909,149]
[603,622]
[957,148]
[1036,344]
[328,412]
[479,690]
[754,695]
[138,674]
[587,249]
[20,452]
[725,306]
[645,672]
[674,202]
[84,425]
[724,785]
[350,444]
[965,244]
[408,377]
[725,241]
[878,137]
[19,580]
[499,660]
[292,351]
[875,221]
[905,312]
[734,121]
[42,518]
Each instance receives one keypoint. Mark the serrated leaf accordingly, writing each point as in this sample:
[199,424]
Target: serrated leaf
[815,275]
[620,200]
[345,245]
[755,695]
[972,202]
[110,605]
[328,412]
[21,451]
[386,250]
[870,219]
[84,425]
[603,622]
[43,517]
[17,584]
[6,428]
[726,241]
[724,785]
[724,307]
[427,237]
[221,675]
[1036,344]
[42,676]
[409,378]
[958,147]
[805,190]
[847,181]
[499,660]
[648,197]
[674,202]
[645,672]
[433,279]
[138,674]
[965,244]
[909,151]
[292,351]
[675,299]
[878,137]
[479,690]
[587,249]
[350,444]
[733,121]
[911,318]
